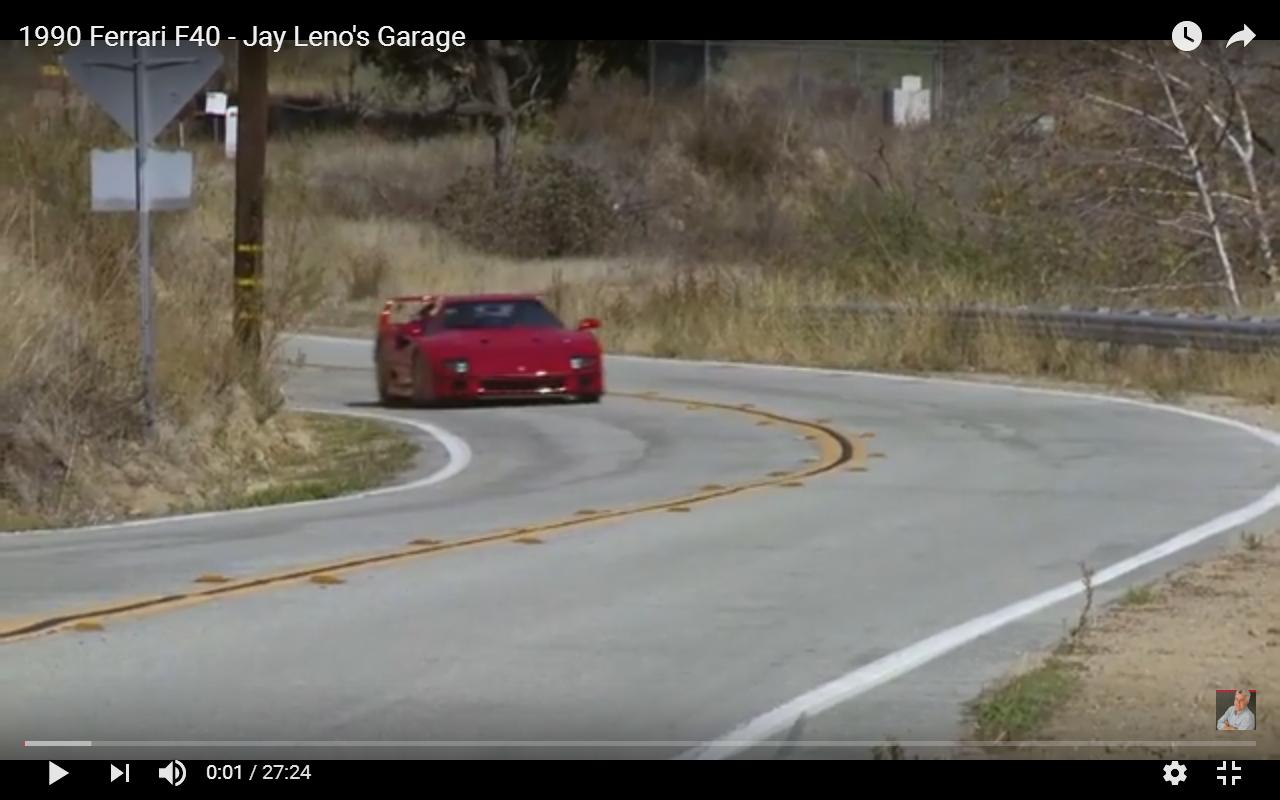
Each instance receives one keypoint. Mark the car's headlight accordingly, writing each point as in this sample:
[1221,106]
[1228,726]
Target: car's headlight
[458,366]
[582,362]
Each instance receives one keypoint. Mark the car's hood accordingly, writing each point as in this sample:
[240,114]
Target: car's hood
[514,351]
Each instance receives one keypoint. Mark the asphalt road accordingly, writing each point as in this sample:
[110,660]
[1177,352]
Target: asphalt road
[657,631]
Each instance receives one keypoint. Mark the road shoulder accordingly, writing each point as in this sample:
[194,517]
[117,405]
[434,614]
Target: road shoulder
[1147,667]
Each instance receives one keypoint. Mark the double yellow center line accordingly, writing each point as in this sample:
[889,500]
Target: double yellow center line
[835,450]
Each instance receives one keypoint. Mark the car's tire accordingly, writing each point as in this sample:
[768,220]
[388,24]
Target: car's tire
[423,394]
[384,380]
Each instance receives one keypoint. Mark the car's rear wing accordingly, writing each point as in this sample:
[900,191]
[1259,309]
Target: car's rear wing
[398,311]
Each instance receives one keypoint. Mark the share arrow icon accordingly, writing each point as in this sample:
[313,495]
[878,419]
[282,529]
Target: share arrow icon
[1244,37]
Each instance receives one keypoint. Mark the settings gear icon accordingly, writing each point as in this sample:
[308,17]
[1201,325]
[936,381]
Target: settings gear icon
[1175,773]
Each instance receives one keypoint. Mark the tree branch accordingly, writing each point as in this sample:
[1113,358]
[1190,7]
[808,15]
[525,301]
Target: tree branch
[1182,175]
[1180,193]
[1178,226]
[1137,112]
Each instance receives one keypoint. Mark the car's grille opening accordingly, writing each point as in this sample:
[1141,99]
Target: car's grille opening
[523,385]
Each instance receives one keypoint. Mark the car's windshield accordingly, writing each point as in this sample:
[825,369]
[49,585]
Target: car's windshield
[499,314]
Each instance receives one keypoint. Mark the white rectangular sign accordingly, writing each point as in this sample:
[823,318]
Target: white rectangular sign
[215,103]
[168,176]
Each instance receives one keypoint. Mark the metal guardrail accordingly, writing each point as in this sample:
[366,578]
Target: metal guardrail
[1150,328]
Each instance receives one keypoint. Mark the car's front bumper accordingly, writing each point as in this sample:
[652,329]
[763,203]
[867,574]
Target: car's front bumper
[581,382]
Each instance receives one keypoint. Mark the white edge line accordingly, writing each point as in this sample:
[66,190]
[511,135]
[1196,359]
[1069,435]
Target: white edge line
[865,678]
[459,455]
[894,665]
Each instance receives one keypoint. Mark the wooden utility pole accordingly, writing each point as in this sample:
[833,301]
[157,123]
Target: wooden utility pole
[251,163]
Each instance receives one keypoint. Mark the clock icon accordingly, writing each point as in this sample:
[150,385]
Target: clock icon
[1186,36]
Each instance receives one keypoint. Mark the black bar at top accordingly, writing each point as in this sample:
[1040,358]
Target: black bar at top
[862,22]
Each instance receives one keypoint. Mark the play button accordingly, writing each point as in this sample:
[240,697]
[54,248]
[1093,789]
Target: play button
[56,773]
[115,773]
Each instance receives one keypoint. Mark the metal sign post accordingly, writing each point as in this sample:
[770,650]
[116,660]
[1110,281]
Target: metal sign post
[142,141]
[142,88]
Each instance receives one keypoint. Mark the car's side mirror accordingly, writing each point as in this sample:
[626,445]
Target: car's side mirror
[588,324]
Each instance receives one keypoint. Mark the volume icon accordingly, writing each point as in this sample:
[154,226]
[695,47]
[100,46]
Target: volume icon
[174,772]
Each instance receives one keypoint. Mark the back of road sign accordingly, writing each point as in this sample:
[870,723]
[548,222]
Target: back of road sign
[115,185]
[173,74]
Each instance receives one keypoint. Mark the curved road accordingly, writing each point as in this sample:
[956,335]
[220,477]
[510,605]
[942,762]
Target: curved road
[868,602]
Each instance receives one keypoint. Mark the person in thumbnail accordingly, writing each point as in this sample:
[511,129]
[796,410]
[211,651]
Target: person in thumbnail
[1238,717]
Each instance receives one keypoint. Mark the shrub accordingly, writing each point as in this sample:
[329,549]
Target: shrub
[743,142]
[548,206]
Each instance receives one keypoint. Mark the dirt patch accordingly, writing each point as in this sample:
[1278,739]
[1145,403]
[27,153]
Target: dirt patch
[1149,671]
[1148,667]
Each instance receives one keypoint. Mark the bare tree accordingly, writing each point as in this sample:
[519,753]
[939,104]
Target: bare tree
[1170,143]
[1235,126]
[1224,104]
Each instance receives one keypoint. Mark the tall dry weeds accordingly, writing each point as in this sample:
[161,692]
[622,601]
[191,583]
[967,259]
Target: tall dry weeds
[69,378]
[774,318]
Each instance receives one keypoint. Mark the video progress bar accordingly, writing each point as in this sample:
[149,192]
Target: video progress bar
[686,744]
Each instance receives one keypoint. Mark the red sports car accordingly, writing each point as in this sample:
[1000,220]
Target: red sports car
[434,348]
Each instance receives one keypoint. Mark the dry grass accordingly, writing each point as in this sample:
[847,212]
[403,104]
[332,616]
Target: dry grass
[362,177]
[70,442]
[332,74]
[357,455]
[410,258]
[754,317]
[744,313]
[226,459]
